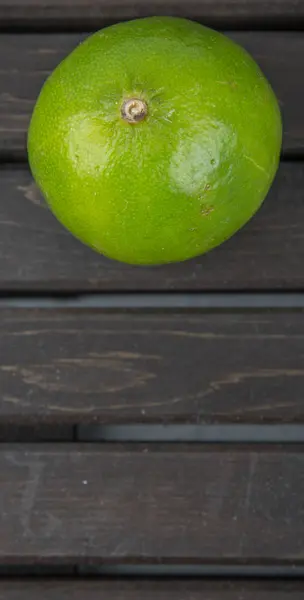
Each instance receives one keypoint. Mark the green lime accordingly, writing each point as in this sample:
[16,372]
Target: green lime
[155,140]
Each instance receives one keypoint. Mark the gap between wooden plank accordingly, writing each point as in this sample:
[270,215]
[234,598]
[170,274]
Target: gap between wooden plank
[156,301]
[139,433]
[217,434]
[159,572]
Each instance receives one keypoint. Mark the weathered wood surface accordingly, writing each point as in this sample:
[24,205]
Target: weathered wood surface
[96,13]
[32,57]
[73,366]
[37,253]
[79,503]
[149,590]
[100,504]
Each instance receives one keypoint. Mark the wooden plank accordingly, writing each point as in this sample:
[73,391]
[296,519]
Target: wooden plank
[83,503]
[38,254]
[73,366]
[150,590]
[95,13]
[32,57]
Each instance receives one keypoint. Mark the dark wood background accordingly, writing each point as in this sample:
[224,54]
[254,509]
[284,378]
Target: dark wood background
[151,420]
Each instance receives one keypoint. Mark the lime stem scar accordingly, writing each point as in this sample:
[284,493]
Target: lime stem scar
[134,110]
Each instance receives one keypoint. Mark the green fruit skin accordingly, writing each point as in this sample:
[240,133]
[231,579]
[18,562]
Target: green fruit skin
[176,184]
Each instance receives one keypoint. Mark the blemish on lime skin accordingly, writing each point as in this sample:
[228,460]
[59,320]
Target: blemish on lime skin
[207,210]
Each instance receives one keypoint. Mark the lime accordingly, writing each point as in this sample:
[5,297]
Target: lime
[155,140]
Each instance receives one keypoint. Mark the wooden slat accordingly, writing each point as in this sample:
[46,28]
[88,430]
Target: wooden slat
[89,366]
[32,57]
[150,590]
[38,254]
[83,503]
[95,13]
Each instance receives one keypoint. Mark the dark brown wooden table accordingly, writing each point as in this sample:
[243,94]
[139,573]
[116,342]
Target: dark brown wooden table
[151,420]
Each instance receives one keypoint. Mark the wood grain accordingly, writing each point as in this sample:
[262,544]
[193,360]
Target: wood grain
[149,590]
[37,253]
[32,57]
[96,13]
[83,503]
[72,366]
